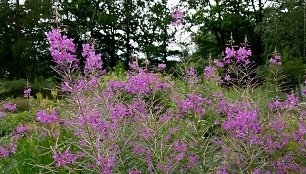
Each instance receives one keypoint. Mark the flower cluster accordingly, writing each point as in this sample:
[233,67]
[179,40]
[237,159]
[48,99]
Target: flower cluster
[193,103]
[209,71]
[276,60]
[43,117]
[290,102]
[93,61]
[161,66]
[27,92]
[106,164]
[5,152]
[9,107]
[140,83]
[62,159]
[145,122]
[178,16]
[242,124]
[62,49]
[21,128]
[231,55]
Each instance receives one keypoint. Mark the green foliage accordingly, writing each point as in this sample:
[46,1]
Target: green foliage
[22,42]
[22,104]
[15,88]
[283,27]
[34,155]
[12,88]
[294,70]
[12,120]
[220,20]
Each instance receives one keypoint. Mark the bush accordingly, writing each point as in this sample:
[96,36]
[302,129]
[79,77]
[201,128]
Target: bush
[12,120]
[22,104]
[15,88]
[294,70]
[12,88]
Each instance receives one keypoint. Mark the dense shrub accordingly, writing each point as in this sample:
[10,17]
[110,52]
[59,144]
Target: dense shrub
[16,87]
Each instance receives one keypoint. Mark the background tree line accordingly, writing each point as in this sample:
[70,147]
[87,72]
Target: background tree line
[122,28]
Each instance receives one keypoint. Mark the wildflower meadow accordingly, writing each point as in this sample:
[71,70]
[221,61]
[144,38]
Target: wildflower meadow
[226,118]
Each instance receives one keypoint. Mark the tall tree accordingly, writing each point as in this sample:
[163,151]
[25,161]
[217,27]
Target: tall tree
[219,20]
[154,33]
[129,19]
[22,38]
[283,27]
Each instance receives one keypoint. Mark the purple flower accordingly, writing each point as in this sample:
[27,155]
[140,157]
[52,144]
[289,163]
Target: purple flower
[243,54]
[4,153]
[13,148]
[192,159]
[276,60]
[10,107]
[106,163]
[256,171]
[133,65]
[179,147]
[90,166]
[161,66]
[227,77]
[291,101]
[147,133]
[62,49]
[26,92]
[66,87]
[21,129]
[62,159]
[242,123]
[93,61]
[2,114]
[219,63]
[222,170]
[178,16]
[230,52]
[216,122]
[209,71]
[273,61]
[277,57]
[45,118]
[179,156]
[131,171]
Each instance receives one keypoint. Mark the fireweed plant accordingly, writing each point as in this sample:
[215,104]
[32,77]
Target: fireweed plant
[146,122]
[257,141]
[9,148]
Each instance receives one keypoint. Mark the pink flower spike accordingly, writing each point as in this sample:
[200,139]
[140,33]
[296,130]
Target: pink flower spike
[45,118]
[273,61]
[230,52]
[161,66]
[218,63]
[26,92]
[227,77]
[10,107]
[178,16]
